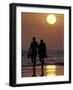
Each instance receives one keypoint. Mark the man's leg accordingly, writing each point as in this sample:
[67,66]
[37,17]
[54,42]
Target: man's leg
[34,63]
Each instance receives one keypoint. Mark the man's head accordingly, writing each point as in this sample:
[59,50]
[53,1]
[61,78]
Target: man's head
[34,39]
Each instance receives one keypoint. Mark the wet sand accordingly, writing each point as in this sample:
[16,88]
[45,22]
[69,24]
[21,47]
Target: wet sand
[49,70]
[53,66]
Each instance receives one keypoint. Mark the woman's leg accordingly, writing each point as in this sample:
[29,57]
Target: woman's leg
[42,62]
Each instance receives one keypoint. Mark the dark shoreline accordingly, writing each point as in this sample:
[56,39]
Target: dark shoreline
[44,64]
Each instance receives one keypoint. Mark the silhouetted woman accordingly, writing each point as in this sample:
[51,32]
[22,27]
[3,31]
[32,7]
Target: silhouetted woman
[42,54]
[33,53]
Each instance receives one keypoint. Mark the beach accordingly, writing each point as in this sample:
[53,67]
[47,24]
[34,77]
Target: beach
[53,66]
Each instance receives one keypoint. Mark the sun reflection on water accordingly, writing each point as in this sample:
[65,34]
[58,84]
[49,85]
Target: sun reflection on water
[51,70]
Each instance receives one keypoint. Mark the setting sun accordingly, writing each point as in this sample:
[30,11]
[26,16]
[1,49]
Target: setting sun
[51,19]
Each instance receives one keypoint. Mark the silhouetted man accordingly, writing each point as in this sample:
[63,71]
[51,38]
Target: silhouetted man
[42,54]
[33,53]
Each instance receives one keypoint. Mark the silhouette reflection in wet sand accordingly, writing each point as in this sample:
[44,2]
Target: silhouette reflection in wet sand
[39,63]
[49,70]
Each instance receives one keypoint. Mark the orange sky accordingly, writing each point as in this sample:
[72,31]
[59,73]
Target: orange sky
[35,25]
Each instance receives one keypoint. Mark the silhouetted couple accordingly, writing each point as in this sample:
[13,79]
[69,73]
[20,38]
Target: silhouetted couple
[37,49]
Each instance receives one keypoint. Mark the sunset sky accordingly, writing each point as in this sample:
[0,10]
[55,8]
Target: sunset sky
[36,25]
